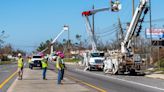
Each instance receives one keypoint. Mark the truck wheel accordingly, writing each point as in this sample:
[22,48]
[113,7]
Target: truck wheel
[132,72]
[120,72]
[90,69]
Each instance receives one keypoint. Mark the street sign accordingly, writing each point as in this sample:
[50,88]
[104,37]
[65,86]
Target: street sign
[155,33]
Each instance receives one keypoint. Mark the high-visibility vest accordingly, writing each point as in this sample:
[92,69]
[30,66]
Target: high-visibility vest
[59,63]
[20,62]
[44,63]
[29,60]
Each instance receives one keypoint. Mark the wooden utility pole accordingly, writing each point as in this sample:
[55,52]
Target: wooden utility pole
[68,43]
[93,22]
[132,8]
[151,50]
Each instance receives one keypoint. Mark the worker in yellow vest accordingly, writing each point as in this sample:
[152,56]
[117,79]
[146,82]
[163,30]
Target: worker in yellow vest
[20,66]
[59,66]
[30,62]
[44,67]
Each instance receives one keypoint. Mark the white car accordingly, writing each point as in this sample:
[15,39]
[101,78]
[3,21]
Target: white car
[36,61]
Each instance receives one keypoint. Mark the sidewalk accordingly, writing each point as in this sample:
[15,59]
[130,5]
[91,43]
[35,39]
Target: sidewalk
[32,82]
[157,76]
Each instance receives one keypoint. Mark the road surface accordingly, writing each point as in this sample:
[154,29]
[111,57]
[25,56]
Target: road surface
[113,83]
[6,71]
[96,80]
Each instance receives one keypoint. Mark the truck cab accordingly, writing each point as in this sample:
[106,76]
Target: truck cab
[96,61]
[36,61]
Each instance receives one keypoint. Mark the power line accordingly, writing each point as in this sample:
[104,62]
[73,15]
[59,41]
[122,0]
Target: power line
[107,34]
[107,30]
[29,46]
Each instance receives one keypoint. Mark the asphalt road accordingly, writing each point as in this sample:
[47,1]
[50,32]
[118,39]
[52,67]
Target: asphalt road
[119,83]
[109,83]
[5,72]
[8,75]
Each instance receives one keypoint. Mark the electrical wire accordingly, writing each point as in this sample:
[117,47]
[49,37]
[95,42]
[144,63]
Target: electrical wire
[107,29]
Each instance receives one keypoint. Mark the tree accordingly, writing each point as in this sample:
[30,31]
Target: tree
[78,37]
[2,36]
[15,52]
[44,45]
[7,49]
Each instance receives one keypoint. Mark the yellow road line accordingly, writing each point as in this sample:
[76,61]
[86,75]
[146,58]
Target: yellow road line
[5,81]
[90,85]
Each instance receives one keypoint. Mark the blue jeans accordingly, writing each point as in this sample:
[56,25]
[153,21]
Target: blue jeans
[62,74]
[59,76]
[44,72]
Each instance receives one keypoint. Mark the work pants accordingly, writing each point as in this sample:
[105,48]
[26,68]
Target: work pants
[44,72]
[62,74]
[59,76]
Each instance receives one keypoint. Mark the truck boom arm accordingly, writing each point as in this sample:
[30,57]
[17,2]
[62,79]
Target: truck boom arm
[89,29]
[91,12]
[130,32]
[65,28]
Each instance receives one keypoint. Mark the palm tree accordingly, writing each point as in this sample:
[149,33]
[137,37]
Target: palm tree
[78,37]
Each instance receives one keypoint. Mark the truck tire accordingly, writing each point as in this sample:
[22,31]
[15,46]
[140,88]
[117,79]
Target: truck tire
[31,67]
[90,69]
[132,72]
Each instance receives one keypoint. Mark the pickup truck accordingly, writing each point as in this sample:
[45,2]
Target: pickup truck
[36,61]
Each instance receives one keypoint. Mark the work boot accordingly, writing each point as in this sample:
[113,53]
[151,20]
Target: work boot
[44,78]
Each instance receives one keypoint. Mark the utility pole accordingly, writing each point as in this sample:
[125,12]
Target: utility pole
[121,33]
[68,38]
[68,42]
[132,7]
[93,22]
[151,58]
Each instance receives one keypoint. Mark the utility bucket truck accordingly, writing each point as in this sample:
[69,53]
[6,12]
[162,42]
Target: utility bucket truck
[124,60]
[52,54]
[95,59]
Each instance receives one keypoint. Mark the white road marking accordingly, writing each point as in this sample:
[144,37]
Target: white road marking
[132,82]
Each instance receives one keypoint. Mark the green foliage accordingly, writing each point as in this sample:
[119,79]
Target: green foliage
[6,62]
[15,52]
[161,63]
[71,60]
[43,45]
[4,58]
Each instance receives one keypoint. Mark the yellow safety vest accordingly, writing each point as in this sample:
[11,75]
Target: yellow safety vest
[20,62]
[44,63]
[29,60]
[59,63]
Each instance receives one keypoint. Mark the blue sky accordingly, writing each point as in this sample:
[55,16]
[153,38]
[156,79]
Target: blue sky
[29,22]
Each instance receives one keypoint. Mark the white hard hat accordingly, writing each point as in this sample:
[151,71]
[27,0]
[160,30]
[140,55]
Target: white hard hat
[19,54]
[54,57]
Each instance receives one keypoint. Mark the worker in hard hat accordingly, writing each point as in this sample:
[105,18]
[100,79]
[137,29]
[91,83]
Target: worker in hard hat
[115,5]
[30,62]
[44,62]
[20,66]
[62,70]
[59,66]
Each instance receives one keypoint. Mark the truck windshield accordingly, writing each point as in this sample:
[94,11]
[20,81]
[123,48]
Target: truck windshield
[97,54]
[37,57]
